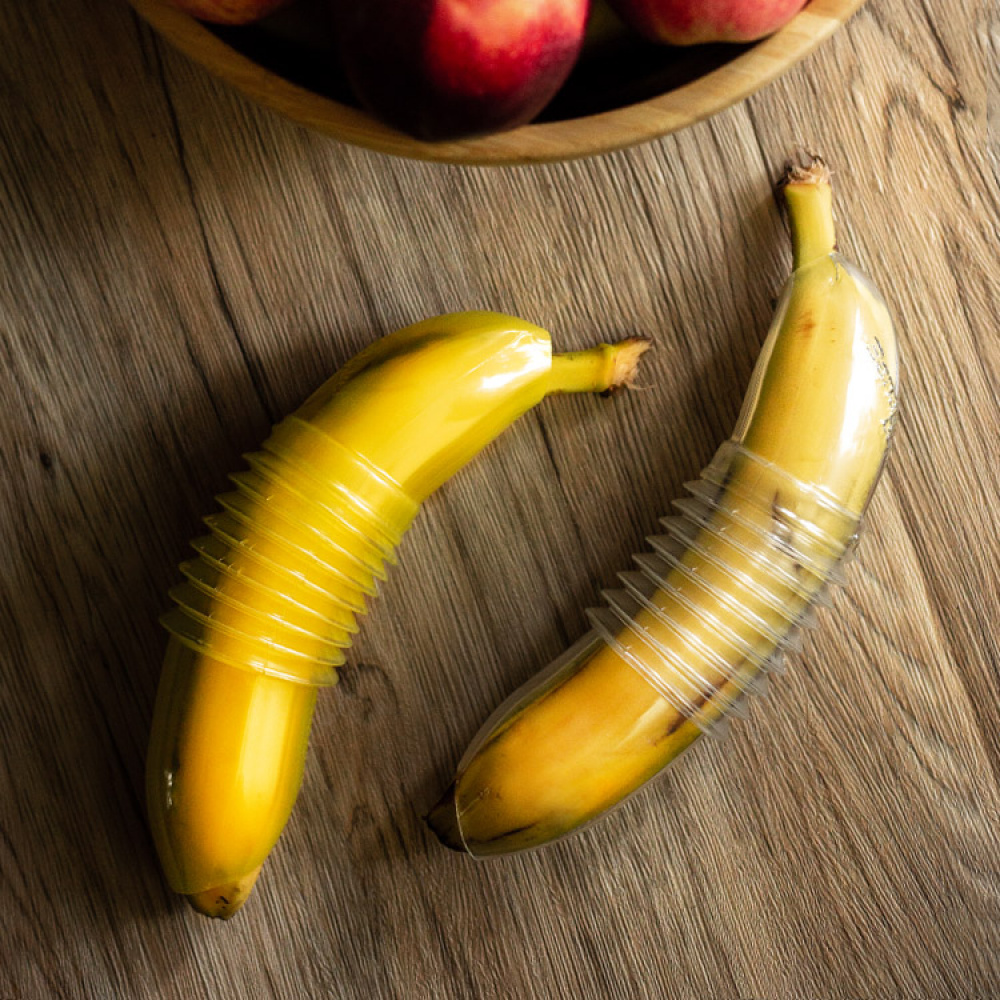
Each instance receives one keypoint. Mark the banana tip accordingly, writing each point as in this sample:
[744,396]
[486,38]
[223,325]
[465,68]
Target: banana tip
[443,821]
[222,901]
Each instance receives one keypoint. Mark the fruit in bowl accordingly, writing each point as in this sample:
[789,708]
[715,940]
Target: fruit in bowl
[694,22]
[622,89]
[442,69]
[453,69]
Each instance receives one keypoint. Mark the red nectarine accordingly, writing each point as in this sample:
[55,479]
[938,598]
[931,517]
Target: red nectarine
[690,22]
[441,69]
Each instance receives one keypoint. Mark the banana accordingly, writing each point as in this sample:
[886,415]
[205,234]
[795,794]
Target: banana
[710,610]
[270,603]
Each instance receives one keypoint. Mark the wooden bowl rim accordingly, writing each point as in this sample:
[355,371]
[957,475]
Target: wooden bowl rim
[537,143]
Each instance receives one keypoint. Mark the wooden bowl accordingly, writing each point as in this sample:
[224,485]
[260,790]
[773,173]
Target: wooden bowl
[623,90]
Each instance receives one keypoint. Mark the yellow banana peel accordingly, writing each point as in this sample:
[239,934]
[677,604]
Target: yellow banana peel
[270,603]
[710,610]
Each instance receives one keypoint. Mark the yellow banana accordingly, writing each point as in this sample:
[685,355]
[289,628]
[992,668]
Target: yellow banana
[270,603]
[706,616]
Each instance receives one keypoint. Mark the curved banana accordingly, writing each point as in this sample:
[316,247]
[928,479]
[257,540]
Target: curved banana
[270,603]
[706,616]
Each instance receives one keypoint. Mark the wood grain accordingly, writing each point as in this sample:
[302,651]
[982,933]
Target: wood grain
[182,268]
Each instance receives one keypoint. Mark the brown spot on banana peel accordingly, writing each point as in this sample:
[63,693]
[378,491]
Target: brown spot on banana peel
[444,823]
[370,360]
[443,817]
[805,326]
[679,720]
[222,901]
[781,530]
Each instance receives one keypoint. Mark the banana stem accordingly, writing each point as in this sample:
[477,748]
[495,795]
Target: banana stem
[809,197]
[604,368]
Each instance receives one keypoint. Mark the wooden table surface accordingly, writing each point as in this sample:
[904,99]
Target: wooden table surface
[181,268]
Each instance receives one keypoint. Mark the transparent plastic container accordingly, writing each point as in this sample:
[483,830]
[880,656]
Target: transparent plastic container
[263,579]
[694,631]
[292,556]
[724,596]
[380,509]
[221,819]
[701,622]
[738,574]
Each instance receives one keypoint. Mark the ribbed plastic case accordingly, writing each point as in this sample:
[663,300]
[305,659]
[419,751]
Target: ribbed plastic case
[291,559]
[711,611]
